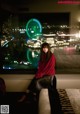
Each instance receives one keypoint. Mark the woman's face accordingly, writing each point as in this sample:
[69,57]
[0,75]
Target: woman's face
[45,49]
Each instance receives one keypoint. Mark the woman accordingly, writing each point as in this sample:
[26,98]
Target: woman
[46,68]
[45,73]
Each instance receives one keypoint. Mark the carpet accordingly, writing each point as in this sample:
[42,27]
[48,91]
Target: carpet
[62,101]
[74,97]
[65,103]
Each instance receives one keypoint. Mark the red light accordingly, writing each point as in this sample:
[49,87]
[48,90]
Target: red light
[68,2]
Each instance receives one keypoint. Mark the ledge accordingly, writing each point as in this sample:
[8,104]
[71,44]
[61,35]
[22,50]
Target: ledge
[19,83]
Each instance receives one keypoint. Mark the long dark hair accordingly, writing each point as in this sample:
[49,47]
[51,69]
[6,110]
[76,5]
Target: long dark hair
[48,54]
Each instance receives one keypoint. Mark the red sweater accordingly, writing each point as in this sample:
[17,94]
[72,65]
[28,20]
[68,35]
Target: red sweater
[46,68]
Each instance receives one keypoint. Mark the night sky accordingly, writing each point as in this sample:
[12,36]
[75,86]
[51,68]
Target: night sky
[50,18]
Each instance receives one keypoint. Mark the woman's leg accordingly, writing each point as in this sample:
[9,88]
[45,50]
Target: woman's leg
[30,91]
[53,82]
[32,87]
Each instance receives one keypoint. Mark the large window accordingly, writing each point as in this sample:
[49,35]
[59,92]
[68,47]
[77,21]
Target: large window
[22,36]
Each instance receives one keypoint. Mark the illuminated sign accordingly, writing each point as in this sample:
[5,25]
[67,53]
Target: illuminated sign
[68,2]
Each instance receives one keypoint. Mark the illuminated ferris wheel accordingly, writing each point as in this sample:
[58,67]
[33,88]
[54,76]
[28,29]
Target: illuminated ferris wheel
[33,28]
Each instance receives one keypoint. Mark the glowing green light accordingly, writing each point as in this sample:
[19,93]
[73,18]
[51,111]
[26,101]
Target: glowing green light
[33,57]
[33,28]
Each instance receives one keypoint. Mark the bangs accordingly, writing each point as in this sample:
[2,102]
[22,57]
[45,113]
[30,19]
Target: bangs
[45,45]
